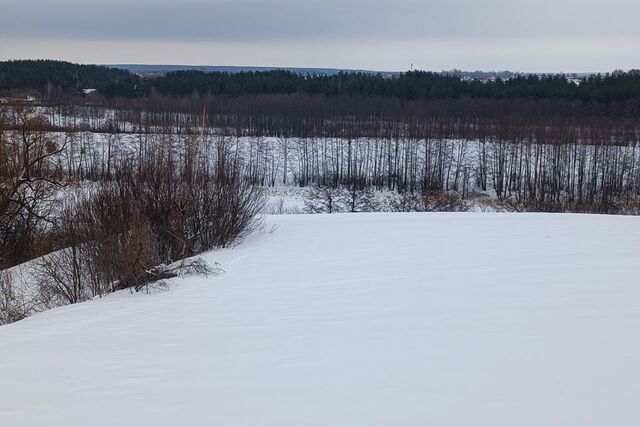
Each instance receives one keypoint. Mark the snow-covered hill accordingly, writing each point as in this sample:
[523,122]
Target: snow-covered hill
[355,320]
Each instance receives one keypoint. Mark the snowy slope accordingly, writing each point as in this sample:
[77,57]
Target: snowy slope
[356,320]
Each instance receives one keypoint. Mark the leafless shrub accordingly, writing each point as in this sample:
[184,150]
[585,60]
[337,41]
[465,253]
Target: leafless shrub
[106,244]
[128,233]
[403,202]
[191,267]
[443,202]
[275,208]
[62,277]
[323,199]
[125,260]
[430,202]
[278,207]
[559,205]
[359,198]
[630,207]
[13,304]
[193,206]
[98,261]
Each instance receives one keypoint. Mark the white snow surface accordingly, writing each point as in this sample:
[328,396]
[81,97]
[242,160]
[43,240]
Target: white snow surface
[464,319]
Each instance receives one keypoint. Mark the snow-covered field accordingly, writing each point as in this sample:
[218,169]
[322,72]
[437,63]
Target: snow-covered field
[355,320]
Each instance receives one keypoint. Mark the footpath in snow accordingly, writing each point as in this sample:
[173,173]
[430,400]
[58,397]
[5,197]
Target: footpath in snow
[355,320]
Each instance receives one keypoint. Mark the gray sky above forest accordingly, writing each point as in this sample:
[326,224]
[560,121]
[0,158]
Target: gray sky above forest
[531,35]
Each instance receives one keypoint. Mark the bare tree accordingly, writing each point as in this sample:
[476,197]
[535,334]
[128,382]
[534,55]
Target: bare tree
[29,178]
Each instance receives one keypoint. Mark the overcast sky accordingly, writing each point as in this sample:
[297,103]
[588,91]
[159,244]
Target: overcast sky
[532,35]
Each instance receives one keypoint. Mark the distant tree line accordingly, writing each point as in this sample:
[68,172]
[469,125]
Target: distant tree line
[56,78]
[410,85]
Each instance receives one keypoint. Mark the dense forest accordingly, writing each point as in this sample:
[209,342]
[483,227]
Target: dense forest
[56,77]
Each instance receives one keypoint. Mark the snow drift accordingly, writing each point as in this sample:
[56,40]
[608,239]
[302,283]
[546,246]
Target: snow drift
[355,320]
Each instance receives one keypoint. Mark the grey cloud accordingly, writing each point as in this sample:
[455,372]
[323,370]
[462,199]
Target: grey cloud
[254,20]
[533,35]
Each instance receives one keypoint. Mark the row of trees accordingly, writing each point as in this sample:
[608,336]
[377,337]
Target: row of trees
[569,175]
[549,168]
[312,116]
[554,168]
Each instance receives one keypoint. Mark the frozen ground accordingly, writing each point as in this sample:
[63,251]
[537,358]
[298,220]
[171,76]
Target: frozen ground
[356,320]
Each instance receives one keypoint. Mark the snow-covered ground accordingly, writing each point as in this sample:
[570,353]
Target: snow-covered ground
[355,320]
